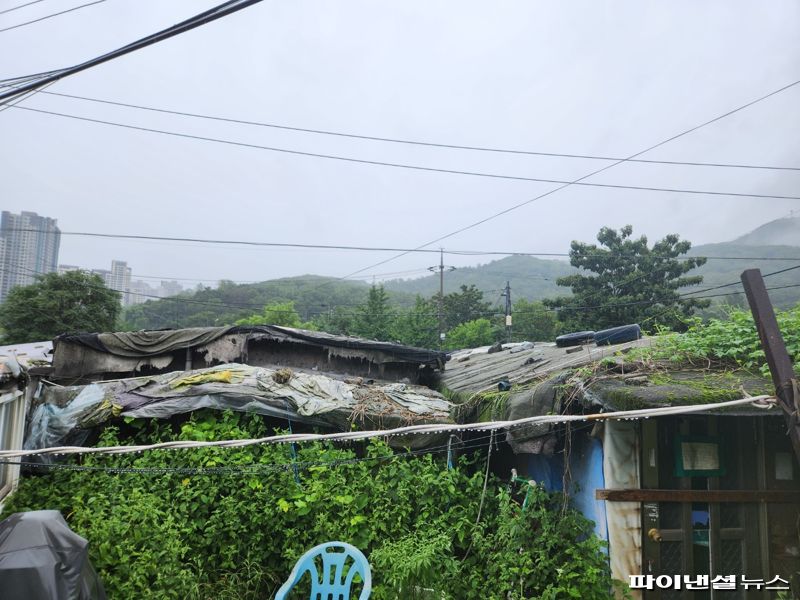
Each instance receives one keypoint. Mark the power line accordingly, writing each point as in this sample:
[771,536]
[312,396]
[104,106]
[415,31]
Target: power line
[324,310]
[169,278]
[2,12]
[764,401]
[580,179]
[683,295]
[407,166]
[69,10]
[36,81]
[421,250]
[472,443]
[660,300]
[738,282]
[414,142]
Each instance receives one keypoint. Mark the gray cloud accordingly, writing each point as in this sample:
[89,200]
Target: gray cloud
[602,78]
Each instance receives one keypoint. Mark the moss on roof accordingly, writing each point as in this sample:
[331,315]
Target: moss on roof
[674,388]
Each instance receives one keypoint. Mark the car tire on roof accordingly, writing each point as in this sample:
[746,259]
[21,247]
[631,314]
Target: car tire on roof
[575,339]
[618,335]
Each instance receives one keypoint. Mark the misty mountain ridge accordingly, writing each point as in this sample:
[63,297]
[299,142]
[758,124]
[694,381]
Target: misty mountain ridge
[780,232]
[535,278]
[530,278]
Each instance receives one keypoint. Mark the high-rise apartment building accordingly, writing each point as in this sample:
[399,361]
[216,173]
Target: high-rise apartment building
[29,247]
[120,279]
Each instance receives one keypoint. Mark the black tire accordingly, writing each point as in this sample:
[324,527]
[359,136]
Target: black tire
[618,335]
[575,339]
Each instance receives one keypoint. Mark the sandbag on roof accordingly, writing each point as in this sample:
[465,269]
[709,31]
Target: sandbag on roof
[311,398]
[41,558]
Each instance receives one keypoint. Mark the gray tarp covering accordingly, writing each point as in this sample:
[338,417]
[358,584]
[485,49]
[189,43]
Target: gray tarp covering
[538,400]
[297,396]
[538,438]
[41,558]
[80,355]
[142,344]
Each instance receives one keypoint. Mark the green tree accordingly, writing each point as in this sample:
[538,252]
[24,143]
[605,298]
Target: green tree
[275,313]
[56,304]
[339,320]
[471,334]
[418,326]
[533,321]
[374,319]
[633,283]
[464,305]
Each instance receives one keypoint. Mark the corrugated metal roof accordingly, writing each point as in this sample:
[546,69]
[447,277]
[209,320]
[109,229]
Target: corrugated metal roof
[28,355]
[476,370]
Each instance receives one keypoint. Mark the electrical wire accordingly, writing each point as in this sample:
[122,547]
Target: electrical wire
[260,306]
[414,142]
[739,281]
[580,179]
[419,250]
[256,469]
[208,16]
[764,401]
[63,12]
[394,165]
[8,10]
[680,296]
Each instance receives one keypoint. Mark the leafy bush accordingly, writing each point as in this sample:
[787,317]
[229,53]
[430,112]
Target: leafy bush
[230,523]
[471,334]
[733,341]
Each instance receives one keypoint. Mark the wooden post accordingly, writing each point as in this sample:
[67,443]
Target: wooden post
[780,364]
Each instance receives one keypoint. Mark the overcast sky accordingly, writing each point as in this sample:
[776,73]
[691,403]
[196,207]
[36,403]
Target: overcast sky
[600,78]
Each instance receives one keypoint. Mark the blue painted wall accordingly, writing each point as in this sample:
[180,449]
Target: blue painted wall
[586,465]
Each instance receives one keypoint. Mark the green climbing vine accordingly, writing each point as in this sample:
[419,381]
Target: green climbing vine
[232,522]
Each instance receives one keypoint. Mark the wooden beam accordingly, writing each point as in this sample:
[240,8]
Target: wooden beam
[780,364]
[712,496]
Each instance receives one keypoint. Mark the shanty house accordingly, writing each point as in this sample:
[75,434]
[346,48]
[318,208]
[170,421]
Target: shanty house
[705,491]
[295,377]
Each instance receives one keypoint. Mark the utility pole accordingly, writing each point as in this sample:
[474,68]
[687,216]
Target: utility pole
[441,268]
[780,364]
[507,294]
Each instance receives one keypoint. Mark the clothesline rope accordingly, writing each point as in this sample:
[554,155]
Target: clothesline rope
[764,402]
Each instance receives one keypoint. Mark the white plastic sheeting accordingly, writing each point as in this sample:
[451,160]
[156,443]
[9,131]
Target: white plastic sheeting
[50,423]
[621,471]
[310,398]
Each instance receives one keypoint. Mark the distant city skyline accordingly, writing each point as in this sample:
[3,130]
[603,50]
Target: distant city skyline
[120,278]
[29,245]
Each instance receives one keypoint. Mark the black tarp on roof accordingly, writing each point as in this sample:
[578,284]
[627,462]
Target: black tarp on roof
[142,344]
[41,558]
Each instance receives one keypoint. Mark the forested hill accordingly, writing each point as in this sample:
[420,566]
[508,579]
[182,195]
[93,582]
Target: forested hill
[530,278]
[717,272]
[312,295]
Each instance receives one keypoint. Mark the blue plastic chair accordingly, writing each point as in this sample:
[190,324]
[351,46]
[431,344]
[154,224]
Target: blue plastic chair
[334,584]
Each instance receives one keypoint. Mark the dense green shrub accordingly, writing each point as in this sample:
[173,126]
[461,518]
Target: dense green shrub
[230,523]
[733,341]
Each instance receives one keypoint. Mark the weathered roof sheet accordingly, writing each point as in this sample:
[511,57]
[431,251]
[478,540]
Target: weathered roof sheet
[27,355]
[472,371]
